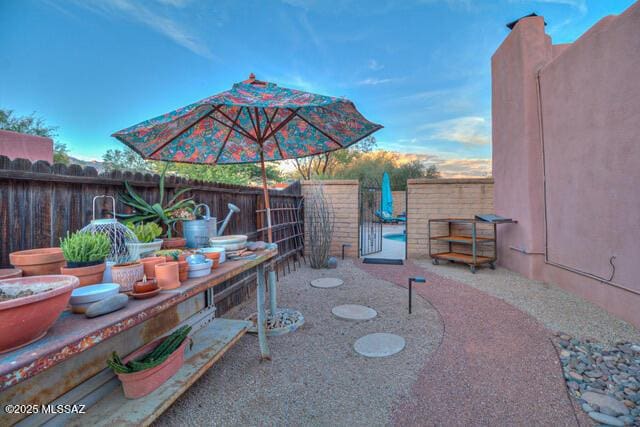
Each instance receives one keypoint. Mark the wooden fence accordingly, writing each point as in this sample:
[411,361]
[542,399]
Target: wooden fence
[39,203]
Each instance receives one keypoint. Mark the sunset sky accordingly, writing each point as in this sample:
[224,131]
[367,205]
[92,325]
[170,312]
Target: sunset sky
[419,67]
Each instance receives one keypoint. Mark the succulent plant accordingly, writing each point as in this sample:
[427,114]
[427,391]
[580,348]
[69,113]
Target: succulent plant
[85,247]
[146,233]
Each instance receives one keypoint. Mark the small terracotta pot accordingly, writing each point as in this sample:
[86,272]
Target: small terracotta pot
[10,273]
[150,265]
[139,384]
[148,286]
[213,256]
[168,275]
[89,275]
[183,269]
[38,262]
[126,275]
[173,243]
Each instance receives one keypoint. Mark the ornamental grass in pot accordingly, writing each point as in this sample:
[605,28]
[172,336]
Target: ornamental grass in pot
[149,367]
[85,254]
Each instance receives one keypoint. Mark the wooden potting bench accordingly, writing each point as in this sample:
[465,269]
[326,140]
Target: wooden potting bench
[67,366]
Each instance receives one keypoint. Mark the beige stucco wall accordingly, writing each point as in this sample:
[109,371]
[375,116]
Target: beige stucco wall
[442,198]
[399,200]
[343,197]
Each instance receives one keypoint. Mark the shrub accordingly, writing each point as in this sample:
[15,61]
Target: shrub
[85,247]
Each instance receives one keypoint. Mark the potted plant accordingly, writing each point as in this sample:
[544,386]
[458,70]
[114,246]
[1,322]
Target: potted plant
[147,234]
[158,212]
[149,367]
[127,274]
[85,254]
[38,262]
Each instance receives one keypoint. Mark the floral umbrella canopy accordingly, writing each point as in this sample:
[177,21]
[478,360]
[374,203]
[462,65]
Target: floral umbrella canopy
[253,122]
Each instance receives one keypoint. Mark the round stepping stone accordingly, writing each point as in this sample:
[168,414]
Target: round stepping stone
[326,282]
[354,312]
[379,345]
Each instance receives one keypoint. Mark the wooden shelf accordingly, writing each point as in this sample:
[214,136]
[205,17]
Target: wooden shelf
[464,258]
[209,344]
[463,239]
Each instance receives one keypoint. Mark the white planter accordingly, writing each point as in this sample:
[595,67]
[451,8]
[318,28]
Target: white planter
[145,248]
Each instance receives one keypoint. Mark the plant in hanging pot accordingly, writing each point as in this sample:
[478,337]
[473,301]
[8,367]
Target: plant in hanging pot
[147,234]
[85,254]
[149,367]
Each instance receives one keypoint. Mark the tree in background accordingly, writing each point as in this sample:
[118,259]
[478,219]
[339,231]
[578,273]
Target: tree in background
[324,165]
[34,125]
[246,174]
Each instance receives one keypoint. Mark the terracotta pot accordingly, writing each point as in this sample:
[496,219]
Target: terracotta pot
[183,270]
[90,275]
[173,243]
[148,286]
[38,262]
[139,384]
[126,275]
[213,256]
[10,273]
[168,275]
[150,265]
[27,319]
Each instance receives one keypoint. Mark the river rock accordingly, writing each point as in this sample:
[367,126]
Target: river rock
[107,305]
[614,406]
[606,419]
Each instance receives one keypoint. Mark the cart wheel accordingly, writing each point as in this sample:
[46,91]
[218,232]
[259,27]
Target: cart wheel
[492,266]
[473,269]
[435,261]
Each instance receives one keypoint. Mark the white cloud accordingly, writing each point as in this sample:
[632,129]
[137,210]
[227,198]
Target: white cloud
[374,65]
[373,81]
[471,130]
[463,168]
[580,5]
[161,24]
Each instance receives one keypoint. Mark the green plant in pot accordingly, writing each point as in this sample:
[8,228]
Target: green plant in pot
[85,255]
[161,212]
[147,234]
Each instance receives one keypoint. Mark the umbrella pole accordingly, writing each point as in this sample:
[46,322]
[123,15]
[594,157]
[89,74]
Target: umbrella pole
[267,205]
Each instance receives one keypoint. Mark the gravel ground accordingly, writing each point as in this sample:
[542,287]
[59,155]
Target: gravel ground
[316,378]
[557,309]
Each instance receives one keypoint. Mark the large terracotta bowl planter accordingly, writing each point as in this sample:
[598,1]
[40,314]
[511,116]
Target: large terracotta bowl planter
[89,275]
[25,319]
[38,262]
[126,275]
[139,384]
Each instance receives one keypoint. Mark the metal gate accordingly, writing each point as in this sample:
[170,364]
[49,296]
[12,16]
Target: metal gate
[370,224]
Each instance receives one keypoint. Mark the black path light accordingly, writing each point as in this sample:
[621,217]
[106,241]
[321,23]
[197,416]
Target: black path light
[417,279]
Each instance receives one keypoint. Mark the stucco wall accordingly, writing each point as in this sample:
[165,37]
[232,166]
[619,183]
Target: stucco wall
[442,198]
[16,145]
[573,153]
[343,197]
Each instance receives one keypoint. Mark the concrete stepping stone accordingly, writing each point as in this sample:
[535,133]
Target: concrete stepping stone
[354,312]
[379,345]
[327,282]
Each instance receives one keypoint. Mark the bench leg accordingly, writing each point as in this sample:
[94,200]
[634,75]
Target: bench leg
[262,316]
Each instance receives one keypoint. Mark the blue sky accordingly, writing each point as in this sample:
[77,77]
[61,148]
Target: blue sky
[419,67]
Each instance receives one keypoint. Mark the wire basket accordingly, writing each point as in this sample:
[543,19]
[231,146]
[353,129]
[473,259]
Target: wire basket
[119,235]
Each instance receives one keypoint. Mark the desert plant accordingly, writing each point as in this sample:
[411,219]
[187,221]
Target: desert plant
[319,226]
[145,232]
[158,212]
[85,247]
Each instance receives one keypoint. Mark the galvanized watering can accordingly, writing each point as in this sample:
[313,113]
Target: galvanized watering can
[197,232]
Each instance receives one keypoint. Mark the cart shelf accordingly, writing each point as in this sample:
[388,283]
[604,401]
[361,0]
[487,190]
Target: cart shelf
[463,239]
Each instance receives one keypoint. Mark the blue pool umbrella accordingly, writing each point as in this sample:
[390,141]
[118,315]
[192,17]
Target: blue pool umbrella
[386,201]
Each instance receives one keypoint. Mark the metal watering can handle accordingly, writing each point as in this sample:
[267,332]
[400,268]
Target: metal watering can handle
[207,211]
[104,196]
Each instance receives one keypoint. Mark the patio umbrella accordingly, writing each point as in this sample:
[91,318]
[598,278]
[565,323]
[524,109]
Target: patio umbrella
[253,122]
[386,199]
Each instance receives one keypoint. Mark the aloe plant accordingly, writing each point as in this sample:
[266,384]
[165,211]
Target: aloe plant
[159,212]
[146,233]
[85,247]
